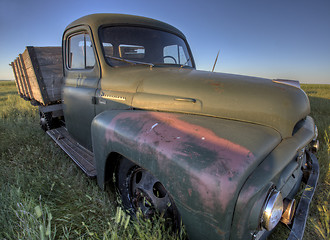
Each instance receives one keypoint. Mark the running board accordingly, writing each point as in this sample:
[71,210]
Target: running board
[80,155]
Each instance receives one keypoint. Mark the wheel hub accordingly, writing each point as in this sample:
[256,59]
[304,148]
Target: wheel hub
[148,194]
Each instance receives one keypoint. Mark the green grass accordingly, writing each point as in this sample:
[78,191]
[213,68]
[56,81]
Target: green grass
[318,226]
[43,195]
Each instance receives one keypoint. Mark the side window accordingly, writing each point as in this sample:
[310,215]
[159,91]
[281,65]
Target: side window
[174,54]
[80,54]
[131,51]
[182,56]
[108,49]
[76,52]
[170,54]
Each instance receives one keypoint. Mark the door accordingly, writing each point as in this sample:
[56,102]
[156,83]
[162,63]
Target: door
[81,78]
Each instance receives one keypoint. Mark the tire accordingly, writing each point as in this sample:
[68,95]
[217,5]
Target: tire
[45,121]
[140,190]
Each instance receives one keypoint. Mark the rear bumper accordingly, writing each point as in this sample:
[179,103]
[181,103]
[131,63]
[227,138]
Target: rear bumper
[311,178]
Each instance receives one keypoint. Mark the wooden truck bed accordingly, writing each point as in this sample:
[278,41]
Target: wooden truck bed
[38,74]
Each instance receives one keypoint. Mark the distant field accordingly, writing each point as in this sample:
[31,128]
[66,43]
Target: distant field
[43,195]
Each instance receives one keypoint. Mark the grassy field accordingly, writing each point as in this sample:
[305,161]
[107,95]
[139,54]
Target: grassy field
[43,195]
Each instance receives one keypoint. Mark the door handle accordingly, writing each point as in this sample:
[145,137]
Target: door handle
[96,100]
[192,100]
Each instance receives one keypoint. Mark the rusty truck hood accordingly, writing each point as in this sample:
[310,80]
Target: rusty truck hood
[242,98]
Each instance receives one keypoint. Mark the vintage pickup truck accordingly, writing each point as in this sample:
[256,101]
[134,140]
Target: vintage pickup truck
[224,153]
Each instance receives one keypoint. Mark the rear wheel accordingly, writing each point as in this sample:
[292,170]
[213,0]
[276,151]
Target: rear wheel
[140,190]
[47,122]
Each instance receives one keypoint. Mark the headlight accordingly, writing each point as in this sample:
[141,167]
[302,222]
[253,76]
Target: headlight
[273,209]
[315,145]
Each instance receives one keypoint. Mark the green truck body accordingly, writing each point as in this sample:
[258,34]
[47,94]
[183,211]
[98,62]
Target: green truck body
[229,152]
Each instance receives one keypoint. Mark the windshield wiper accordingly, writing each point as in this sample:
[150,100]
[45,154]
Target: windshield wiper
[130,61]
[184,65]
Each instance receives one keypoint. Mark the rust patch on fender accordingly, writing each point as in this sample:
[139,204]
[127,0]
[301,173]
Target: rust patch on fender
[211,164]
[216,85]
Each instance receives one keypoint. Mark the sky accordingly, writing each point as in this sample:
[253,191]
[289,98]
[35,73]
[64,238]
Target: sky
[283,39]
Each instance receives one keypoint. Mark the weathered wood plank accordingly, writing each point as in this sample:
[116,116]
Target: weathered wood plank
[53,84]
[32,78]
[12,64]
[49,60]
[25,76]
[49,56]
[38,73]
[18,78]
[19,74]
[23,80]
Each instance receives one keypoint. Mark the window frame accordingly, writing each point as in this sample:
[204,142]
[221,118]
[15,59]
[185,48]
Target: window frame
[68,51]
[100,29]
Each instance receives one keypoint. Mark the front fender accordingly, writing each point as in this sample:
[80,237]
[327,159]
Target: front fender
[202,161]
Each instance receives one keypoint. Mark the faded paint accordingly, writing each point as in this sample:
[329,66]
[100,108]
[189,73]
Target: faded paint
[214,180]
[196,158]
[220,95]
[218,87]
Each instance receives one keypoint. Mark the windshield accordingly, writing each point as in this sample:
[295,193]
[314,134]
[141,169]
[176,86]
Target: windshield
[138,45]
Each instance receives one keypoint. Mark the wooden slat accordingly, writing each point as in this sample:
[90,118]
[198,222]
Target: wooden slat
[32,78]
[16,78]
[13,65]
[23,79]
[49,56]
[38,75]
[20,77]
[19,74]
[25,76]
[50,65]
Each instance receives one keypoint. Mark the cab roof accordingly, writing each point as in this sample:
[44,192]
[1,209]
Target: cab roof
[103,19]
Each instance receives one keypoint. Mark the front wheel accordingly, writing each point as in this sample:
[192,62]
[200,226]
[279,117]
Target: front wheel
[140,190]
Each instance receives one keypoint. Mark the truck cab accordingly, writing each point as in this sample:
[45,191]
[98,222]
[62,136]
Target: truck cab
[96,60]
